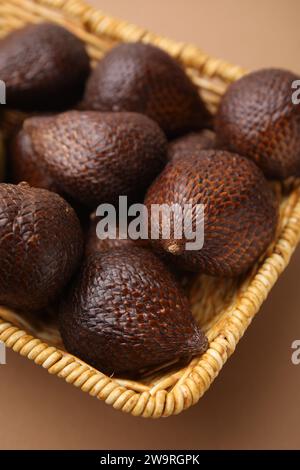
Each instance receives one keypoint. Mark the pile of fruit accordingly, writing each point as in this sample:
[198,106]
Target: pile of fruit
[134,126]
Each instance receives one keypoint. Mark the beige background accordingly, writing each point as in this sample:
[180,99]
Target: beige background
[255,401]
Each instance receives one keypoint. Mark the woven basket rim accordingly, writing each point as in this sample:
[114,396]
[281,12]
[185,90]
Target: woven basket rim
[182,389]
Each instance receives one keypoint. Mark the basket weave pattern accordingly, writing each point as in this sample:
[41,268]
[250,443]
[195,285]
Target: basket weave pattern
[224,308]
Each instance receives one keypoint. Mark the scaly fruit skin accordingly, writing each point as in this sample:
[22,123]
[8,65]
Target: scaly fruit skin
[51,79]
[258,119]
[145,79]
[190,144]
[96,157]
[125,313]
[40,246]
[26,165]
[240,211]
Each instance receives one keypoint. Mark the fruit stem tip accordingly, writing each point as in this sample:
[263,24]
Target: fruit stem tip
[174,249]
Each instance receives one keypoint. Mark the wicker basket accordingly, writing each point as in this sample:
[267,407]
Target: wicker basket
[224,308]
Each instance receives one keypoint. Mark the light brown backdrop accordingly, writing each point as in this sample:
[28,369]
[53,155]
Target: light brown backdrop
[255,401]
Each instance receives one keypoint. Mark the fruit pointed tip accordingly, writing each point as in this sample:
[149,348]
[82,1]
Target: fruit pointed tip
[174,249]
[198,343]
[23,184]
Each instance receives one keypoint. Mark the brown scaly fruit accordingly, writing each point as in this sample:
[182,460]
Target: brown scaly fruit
[145,79]
[239,217]
[190,144]
[44,66]
[40,246]
[258,119]
[95,157]
[95,244]
[126,312]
